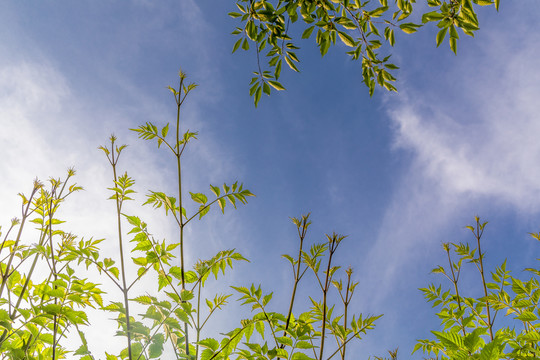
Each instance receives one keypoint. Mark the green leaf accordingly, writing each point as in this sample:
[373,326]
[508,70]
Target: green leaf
[453,32]
[291,64]
[304,345]
[346,39]
[285,340]
[181,314]
[277,71]
[215,190]
[222,202]
[453,44]
[156,347]
[237,45]
[257,96]
[253,89]
[491,351]
[266,299]
[266,89]
[203,210]
[324,46]
[186,295]
[378,11]
[176,272]
[409,28]
[142,261]
[451,340]
[483,2]
[163,281]
[307,33]
[440,36]
[199,198]
[527,316]
[191,277]
[276,85]
[165,131]
[301,356]
[210,344]
[432,16]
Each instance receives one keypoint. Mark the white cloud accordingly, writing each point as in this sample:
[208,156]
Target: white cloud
[472,148]
[46,126]
[489,146]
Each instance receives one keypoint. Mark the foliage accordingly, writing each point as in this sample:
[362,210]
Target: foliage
[44,297]
[38,311]
[364,27]
[38,307]
[469,328]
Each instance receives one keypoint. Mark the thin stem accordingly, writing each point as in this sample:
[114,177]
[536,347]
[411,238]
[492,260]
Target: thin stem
[199,327]
[327,280]
[25,214]
[455,282]
[240,333]
[301,234]
[31,271]
[53,261]
[138,277]
[157,329]
[348,296]
[478,235]
[13,223]
[297,276]
[179,102]
[345,343]
[16,307]
[118,197]
[105,271]
[125,289]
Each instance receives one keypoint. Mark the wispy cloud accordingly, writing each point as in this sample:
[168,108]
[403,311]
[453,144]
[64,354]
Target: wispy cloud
[50,121]
[479,156]
[489,148]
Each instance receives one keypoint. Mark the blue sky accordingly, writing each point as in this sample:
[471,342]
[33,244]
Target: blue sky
[398,173]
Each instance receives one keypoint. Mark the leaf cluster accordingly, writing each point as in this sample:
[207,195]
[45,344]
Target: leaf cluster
[469,329]
[363,27]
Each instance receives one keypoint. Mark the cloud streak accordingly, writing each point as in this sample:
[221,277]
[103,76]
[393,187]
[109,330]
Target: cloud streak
[482,156]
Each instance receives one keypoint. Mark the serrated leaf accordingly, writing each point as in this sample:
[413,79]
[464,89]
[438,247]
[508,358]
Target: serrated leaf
[285,340]
[304,345]
[432,16]
[199,198]
[527,316]
[156,347]
[203,210]
[165,130]
[300,356]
